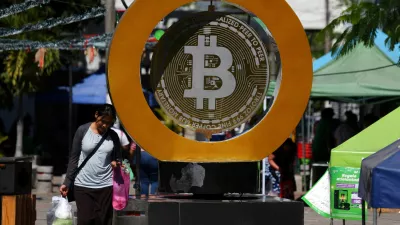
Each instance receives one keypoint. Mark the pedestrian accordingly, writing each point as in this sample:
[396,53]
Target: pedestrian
[148,173]
[282,169]
[93,183]
[324,140]
[348,129]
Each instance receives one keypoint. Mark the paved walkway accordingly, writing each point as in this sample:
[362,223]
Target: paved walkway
[43,204]
[310,217]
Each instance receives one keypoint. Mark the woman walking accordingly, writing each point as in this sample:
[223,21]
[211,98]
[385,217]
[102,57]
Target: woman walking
[95,151]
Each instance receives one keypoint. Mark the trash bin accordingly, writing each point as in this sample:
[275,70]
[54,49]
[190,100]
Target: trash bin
[15,175]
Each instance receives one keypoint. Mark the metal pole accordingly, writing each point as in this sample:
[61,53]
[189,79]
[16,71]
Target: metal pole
[309,130]
[344,222]
[109,21]
[309,115]
[110,16]
[70,83]
[363,212]
[375,217]
[263,177]
[304,153]
[263,161]
[138,157]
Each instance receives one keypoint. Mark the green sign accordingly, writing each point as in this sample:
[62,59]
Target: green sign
[345,203]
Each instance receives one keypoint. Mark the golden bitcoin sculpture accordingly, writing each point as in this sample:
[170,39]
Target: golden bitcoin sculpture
[285,113]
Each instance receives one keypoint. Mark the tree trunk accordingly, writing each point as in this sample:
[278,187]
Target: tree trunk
[328,41]
[20,129]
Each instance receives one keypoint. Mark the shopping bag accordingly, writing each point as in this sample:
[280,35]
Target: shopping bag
[52,211]
[60,212]
[121,183]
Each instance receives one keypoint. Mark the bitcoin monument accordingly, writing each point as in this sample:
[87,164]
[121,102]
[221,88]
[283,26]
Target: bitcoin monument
[210,74]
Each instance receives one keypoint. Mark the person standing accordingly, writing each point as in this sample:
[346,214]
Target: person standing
[148,173]
[324,140]
[93,183]
[348,129]
[282,169]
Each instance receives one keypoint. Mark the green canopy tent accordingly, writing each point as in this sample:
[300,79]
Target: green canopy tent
[372,139]
[365,74]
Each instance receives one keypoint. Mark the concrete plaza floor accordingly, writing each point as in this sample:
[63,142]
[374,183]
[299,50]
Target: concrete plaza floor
[310,217]
[43,204]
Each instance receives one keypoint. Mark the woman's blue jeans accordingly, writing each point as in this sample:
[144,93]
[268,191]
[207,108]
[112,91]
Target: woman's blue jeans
[148,174]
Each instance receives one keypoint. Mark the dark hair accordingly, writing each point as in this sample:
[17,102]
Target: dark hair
[351,116]
[327,113]
[107,110]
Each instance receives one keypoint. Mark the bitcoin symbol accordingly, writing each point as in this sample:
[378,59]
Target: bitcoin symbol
[210,72]
[199,72]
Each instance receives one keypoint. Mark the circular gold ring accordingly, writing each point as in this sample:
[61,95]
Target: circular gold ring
[288,107]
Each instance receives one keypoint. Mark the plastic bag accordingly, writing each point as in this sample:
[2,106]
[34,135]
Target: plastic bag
[60,213]
[131,175]
[64,209]
[121,183]
[63,222]
[128,168]
[52,211]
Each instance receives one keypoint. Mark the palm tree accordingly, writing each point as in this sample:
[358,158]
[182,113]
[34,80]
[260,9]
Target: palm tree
[363,20]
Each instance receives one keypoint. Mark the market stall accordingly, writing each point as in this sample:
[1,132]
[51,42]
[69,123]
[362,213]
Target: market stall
[336,195]
[363,75]
[380,179]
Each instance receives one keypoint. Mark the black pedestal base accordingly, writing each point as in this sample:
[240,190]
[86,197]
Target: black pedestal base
[209,178]
[178,210]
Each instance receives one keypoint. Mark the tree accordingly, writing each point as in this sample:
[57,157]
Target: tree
[21,74]
[363,20]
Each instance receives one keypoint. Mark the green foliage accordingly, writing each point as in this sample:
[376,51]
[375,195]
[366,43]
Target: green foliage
[365,19]
[19,73]
[22,74]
